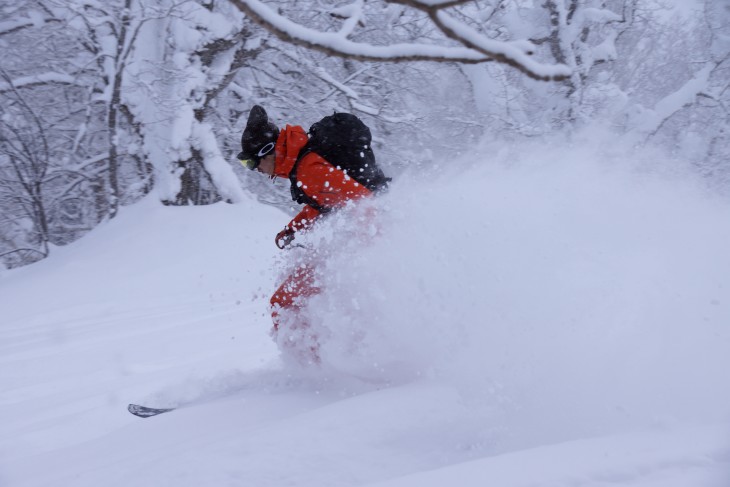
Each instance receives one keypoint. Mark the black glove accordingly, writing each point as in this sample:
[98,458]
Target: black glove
[284,238]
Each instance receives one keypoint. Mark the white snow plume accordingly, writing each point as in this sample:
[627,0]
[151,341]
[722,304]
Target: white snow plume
[564,289]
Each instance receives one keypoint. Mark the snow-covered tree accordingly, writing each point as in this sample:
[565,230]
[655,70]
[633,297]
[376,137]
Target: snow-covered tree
[49,161]
[134,97]
[26,153]
[183,60]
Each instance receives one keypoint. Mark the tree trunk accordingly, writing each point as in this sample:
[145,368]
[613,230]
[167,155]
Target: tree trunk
[197,187]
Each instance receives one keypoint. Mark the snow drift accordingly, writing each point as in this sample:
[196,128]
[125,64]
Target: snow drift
[513,300]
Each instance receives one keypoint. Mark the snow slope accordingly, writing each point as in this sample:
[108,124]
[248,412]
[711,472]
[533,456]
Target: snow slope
[523,317]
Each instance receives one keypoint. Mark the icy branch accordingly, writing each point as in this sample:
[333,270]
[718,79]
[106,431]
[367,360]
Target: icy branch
[475,48]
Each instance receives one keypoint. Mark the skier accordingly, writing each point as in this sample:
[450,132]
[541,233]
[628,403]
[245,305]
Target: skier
[333,167]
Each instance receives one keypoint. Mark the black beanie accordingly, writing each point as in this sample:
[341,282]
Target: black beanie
[259,132]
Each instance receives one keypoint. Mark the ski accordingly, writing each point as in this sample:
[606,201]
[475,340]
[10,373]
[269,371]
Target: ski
[145,412]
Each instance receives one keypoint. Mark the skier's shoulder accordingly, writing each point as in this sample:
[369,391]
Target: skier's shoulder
[296,135]
[313,166]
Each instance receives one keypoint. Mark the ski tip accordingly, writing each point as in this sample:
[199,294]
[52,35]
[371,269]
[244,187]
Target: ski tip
[146,412]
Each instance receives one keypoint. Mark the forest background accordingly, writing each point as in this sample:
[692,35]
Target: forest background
[105,102]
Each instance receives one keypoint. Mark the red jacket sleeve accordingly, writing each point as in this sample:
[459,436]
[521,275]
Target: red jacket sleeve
[304,219]
[325,184]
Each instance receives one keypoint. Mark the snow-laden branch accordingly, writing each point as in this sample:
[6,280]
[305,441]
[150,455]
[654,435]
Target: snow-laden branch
[475,47]
[39,79]
[653,120]
[515,54]
[353,13]
[438,4]
[33,19]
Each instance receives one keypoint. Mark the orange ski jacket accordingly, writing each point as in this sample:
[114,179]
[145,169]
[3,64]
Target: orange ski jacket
[321,181]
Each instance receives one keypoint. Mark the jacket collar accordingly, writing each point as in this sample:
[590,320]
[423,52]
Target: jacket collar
[290,142]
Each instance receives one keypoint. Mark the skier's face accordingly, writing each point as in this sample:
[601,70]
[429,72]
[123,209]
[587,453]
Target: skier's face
[267,163]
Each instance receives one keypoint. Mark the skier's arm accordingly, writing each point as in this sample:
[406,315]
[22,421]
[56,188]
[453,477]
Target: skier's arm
[327,186]
[304,219]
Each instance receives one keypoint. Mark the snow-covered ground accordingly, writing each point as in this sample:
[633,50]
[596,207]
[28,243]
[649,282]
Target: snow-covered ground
[524,318]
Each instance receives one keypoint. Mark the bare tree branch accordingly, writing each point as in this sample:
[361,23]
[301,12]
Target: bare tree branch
[13,26]
[24,250]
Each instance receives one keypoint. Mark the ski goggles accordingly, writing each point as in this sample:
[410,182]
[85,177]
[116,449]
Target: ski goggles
[253,162]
